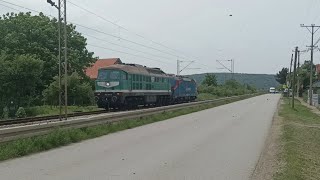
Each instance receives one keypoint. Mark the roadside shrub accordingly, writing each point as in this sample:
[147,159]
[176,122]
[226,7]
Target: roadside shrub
[5,113]
[21,113]
[80,92]
[230,88]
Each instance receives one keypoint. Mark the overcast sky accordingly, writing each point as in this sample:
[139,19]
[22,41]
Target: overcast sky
[259,35]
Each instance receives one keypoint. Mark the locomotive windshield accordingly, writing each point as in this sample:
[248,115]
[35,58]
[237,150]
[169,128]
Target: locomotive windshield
[102,74]
[108,75]
[114,75]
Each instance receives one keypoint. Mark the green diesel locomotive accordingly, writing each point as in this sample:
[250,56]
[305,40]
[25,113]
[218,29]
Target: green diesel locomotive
[130,85]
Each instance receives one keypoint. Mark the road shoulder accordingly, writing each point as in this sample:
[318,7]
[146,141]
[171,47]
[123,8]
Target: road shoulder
[269,163]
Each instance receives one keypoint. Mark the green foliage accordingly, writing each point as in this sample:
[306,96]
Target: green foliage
[29,58]
[210,80]
[281,76]
[5,113]
[304,74]
[259,81]
[37,35]
[21,113]
[79,92]
[205,96]
[19,77]
[230,88]
[251,88]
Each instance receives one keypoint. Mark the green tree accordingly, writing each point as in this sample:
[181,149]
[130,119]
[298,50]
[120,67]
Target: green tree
[21,113]
[210,80]
[233,84]
[19,77]
[304,74]
[79,91]
[36,35]
[281,76]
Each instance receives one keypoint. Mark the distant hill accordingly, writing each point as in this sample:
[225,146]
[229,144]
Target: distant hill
[260,81]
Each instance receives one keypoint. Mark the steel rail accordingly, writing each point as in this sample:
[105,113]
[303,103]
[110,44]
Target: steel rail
[43,118]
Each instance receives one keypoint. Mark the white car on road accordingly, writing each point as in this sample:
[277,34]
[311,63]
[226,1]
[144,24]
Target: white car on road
[272,90]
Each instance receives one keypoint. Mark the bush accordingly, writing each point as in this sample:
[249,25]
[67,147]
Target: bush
[230,88]
[5,113]
[21,113]
[80,93]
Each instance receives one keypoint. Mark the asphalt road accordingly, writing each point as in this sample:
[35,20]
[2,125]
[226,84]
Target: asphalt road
[219,143]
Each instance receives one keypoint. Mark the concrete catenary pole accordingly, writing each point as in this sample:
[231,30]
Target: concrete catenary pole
[294,75]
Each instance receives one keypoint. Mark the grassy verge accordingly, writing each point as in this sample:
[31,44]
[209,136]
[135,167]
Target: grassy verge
[61,137]
[54,110]
[206,96]
[301,143]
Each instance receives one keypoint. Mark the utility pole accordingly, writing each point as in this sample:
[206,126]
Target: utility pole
[63,4]
[232,68]
[298,79]
[178,67]
[312,31]
[294,75]
[58,7]
[290,78]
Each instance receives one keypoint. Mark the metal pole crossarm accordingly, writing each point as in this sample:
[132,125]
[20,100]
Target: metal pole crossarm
[186,66]
[178,66]
[219,61]
[52,4]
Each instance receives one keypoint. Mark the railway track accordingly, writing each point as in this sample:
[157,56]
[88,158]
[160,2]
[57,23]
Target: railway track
[46,118]
[29,120]
[44,127]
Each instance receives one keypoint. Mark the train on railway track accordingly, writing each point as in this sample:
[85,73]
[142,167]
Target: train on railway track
[122,86]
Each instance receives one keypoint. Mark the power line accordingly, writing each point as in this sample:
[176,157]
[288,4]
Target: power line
[70,2]
[108,34]
[124,39]
[90,28]
[21,6]
[126,47]
[122,27]
[9,7]
[126,53]
[96,30]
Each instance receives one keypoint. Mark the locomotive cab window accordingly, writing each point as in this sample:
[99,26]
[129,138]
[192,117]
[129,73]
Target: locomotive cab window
[102,74]
[124,76]
[115,75]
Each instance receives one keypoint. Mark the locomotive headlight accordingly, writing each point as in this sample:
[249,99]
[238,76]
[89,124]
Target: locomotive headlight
[108,84]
